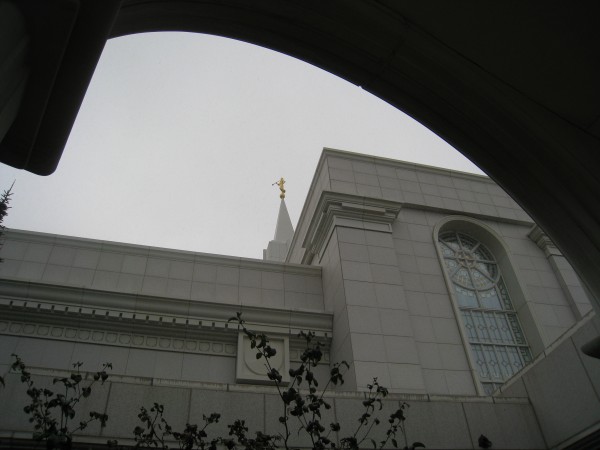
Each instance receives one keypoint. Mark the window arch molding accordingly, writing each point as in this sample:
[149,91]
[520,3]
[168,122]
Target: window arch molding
[487,236]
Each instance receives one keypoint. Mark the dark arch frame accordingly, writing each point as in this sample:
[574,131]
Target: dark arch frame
[494,80]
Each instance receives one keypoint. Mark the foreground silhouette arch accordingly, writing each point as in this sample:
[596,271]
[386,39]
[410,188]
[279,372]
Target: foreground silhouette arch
[512,86]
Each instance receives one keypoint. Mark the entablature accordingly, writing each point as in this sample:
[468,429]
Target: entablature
[337,209]
[64,305]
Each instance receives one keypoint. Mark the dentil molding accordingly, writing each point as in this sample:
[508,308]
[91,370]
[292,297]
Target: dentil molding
[65,305]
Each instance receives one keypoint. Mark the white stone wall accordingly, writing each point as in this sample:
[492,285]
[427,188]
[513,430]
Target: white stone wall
[149,271]
[370,283]
[405,183]
[320,182]
[441,350]
[393,313]
[150,312]
[563,386]
[414,184]
[439,422]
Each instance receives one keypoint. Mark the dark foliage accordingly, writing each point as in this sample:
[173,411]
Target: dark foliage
[4,202]
[52,413]
[484,442]
[303,404]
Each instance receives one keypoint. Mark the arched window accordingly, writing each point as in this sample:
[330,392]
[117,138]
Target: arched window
[490,322]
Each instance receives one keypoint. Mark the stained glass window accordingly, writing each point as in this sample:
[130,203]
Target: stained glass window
[498,345]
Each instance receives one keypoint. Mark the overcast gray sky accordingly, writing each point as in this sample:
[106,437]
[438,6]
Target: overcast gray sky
[181,136]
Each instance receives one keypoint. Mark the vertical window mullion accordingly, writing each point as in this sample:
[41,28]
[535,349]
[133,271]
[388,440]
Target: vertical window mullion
[480,358]
[517,341]
[492,353]
[477,296]
[497,319]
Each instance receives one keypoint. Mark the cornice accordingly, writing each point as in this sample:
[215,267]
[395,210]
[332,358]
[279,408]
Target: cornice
[334,208]
[221,344]
[537,235]
[63,304]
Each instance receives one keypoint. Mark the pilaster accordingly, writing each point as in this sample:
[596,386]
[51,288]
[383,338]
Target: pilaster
[567,278]
[351,238]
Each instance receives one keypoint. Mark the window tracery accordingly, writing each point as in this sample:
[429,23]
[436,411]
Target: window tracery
[490,322]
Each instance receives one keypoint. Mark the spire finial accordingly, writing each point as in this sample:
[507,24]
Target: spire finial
[280,183]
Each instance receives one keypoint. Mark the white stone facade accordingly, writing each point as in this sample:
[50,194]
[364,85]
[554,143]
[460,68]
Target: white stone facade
[364,271]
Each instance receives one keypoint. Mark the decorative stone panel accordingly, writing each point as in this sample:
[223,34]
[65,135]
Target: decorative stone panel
[116,338]
[250,369]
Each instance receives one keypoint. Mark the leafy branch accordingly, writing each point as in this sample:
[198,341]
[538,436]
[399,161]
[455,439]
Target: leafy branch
[4,202]
[51,412]
[303,406]
[156,430]
[307,408]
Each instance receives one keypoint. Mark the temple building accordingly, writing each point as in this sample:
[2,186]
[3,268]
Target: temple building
[434,281]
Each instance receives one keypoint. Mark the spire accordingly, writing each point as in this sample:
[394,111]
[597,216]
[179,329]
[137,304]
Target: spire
[284,231]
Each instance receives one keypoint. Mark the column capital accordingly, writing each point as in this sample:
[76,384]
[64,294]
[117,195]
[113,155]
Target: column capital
[537,235]
[337,209]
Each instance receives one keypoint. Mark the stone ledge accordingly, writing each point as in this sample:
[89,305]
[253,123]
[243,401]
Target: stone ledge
[272,390]
[21,300]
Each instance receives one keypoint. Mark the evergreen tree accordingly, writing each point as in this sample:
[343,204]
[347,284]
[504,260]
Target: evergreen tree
[4,202]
